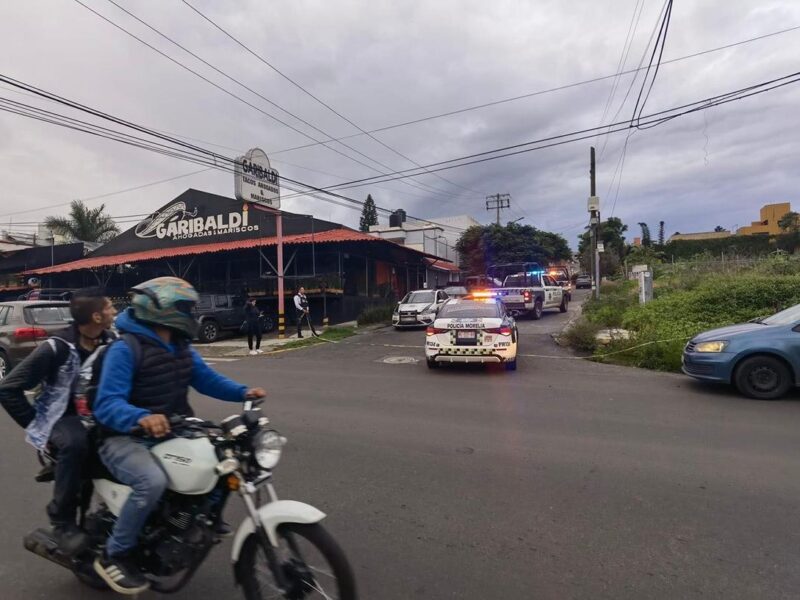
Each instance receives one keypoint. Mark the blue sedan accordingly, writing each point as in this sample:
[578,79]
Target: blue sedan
[761,358]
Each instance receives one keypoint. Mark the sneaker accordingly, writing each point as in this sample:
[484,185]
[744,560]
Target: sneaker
[260,351]
[299,335]
[120,574]
[253,352]
[70,538]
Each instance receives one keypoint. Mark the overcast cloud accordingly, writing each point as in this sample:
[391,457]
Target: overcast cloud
[385,62]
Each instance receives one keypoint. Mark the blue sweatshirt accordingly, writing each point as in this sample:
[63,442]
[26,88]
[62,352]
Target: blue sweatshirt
[112,407]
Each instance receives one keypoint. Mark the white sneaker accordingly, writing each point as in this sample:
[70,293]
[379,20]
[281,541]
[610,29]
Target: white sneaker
[259,351]
[253,352]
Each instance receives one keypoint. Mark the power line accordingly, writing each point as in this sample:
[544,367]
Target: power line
[662,38]
[313,96]
[623,57]
[109,194]
[553,89]
[214,159]
[229,93]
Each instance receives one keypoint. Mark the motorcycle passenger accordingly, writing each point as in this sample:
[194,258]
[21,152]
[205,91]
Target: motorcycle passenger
[54,422]
[146,390]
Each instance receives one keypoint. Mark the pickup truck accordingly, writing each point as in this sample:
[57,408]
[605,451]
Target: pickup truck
[531,293]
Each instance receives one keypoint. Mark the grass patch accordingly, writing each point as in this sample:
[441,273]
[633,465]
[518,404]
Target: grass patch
[682,308]
[332,334]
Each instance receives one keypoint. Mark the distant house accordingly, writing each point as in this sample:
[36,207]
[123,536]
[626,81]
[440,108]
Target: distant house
[702,235]
[768,225]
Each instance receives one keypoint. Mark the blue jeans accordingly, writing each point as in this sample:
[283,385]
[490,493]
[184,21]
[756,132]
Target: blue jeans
[130,461]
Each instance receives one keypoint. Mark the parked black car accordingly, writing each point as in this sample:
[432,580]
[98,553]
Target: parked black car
[24,324]
[224,312]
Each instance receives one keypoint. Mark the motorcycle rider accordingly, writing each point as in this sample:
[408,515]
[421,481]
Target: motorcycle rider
[144,391]
[54,421]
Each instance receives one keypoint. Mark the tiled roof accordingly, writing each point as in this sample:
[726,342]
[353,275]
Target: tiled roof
[91,262]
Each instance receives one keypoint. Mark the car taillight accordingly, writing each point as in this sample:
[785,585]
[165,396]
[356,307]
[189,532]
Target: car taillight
[434,330]
[499,330]
[28,334]
[527,295]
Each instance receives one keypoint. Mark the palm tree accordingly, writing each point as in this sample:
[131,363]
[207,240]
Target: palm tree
[84,224]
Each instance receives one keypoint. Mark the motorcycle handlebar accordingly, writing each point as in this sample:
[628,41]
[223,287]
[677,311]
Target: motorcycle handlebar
[174,420]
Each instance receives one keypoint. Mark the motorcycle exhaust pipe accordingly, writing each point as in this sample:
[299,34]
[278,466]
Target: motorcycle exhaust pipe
[42,544]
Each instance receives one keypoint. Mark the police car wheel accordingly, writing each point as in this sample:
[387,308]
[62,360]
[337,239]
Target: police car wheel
[432,364]
[511,365]
[536,313]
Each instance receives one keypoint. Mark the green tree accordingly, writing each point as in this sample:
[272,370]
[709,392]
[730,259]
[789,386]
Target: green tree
[790,222]
[369,214]
[612,235]
[84,224]
[646,239]
[484,245]
[719,229]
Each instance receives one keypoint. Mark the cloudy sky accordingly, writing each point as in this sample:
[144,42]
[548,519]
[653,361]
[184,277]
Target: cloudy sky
[382,63]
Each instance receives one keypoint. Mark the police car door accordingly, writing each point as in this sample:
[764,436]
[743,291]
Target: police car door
[552,292]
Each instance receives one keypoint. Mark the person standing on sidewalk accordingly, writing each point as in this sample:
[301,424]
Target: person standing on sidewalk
[301,304]
[251,316]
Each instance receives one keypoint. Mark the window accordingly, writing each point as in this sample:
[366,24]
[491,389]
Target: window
[419,298]
[4,312]
[221,301]
[204,302]
[48,315]
[471,310]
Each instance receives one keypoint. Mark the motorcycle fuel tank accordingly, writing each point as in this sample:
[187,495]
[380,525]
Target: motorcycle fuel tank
[189,464]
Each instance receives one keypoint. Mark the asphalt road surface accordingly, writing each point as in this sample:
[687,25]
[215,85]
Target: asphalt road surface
[564,479]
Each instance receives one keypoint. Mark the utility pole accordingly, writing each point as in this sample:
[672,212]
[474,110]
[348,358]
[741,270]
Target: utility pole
[594,223]
[498,202]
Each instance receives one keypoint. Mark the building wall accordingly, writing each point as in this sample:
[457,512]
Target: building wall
[703,235]
[770,215]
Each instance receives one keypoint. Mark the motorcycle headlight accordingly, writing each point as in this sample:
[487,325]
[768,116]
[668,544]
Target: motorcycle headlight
[268,446]
[710,346]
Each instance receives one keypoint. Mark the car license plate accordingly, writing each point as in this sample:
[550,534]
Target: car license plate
[465,335]
[408,319]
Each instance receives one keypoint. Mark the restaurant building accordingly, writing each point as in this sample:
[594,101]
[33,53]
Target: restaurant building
[226,246]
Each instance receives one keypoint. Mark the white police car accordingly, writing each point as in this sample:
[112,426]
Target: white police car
[472,330]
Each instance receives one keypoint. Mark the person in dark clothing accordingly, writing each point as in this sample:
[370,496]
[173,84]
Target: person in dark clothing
[54,422]
[251,316]
[145,392]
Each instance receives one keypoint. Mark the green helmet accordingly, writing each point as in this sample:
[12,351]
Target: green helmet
[166,301]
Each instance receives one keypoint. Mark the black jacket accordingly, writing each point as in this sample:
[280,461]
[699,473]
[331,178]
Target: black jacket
[40,366]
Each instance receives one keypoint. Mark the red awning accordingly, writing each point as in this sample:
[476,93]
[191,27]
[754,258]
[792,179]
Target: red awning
[92,262]
[442,265]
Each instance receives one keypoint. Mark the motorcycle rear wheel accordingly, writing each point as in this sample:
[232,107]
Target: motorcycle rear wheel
[301,550]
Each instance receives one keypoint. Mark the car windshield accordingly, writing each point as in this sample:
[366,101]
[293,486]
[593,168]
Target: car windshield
[521,281]
[48,315]
[418,298]
[467,310]
[785,317]
[455,291]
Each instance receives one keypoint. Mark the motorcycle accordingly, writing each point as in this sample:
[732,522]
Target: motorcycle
[280,550]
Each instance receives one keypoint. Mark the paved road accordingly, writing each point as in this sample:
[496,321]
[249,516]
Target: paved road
[565,479]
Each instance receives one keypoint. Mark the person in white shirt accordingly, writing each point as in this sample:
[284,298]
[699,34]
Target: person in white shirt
[301,304]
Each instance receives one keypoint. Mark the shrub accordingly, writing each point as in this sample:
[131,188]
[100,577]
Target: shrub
[582,335]
[609,309]
[377,314]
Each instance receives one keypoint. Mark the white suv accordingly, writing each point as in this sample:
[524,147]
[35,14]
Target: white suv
[418,308]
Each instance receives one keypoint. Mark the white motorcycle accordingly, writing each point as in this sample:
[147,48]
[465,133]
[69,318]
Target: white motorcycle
[279,551]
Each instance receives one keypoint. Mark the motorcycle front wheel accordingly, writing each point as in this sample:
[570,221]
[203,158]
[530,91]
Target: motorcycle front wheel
[312,563]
